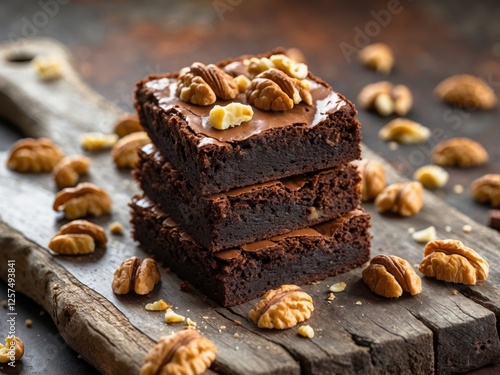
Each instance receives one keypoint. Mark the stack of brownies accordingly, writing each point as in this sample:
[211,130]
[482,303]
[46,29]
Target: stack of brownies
[239,211]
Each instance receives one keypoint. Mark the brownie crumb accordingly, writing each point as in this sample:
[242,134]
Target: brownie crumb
[185,287]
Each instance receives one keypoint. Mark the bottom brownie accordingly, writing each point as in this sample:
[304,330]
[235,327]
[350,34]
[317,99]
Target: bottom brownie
[234,276]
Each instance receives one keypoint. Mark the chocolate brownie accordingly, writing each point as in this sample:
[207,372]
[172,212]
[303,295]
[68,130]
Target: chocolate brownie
[234,276]
[270,146]
[251,213]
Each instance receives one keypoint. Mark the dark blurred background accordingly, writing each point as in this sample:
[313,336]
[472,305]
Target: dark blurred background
[116,43]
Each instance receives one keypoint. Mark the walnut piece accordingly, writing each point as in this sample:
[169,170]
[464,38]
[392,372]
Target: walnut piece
[30,155]
[291,67]
[125,151]
[194,90]
[84,199]
[467,92]
[185,352]
[451,260]
[386,98]
[136,275]
[377,56]
[306,331]
[72,244]
[67,172]
[459,152]
[486,189]
[389,276]
[48,68]
[172,317]
[282,308]
[425,235]
[97,141]
[230,115]
[373,179]
[243,83]
[85,227]
[256,65]
[159,305]
[431,176]
[405,199]
[116,228]
[13,350]
[127,124]
[402,130]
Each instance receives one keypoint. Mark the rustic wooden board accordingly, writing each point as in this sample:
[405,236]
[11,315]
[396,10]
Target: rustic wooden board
[435,332]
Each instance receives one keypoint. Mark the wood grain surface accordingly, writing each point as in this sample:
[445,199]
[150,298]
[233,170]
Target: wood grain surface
[439,331]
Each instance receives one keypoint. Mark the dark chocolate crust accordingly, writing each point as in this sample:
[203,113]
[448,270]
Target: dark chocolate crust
[212,166]
[231,277]
[251,213]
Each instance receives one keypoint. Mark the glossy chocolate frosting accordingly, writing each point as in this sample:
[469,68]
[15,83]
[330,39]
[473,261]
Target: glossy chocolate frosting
[325,101]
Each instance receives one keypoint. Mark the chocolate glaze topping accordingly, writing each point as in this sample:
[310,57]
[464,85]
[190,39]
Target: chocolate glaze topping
[325,101]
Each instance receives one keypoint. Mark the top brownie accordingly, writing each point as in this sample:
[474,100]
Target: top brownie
[272,145]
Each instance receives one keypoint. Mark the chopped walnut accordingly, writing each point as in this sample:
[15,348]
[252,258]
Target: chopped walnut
[459,152]
[282,308]
[125,151]
[373,180]
[405,199]
[67,172]
[127,124]
[136,275]
[377,56]
[486,189]
[389,276]
[243,83]
[159,305]
[82,200]
[116,228]
[425,235]
[467,92]
[451,260]
[306,331]
[184,352]
[255,66]
[289,66]
[97,141]
[11,342]
[404,131]
[230,115]
[431,176]
[386,98]
[48,68]
[338,287]
[172,317]
[30,155]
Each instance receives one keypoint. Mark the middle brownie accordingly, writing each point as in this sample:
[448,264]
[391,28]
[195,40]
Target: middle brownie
[251,213]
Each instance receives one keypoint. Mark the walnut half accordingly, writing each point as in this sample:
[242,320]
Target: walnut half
[282,308]
[451,260]
[373,178]
[125,151]
[389,276]
[386,98]
[67,172]
[11,342]
[466,91]
[82,200]
[136,275]
[185,352]
[30,155]
[486,189]
[459,152]
[405,199]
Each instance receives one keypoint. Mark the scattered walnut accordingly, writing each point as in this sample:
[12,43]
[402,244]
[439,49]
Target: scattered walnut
[97,141]
[172,317]
[30,155]
[451,260]
[82,200]
[459,152]
[486,189]
[127,124]
[404,131]
[48,68]
[389,276]
[230,115]
[28,323]
[136,275]
[243,83]
[338,287]
[386,98]
[431,176]
[72,244]
[425,235]
[85,227]
[306,331]
[115,228]
[405,199]
[373,178]
[282,308]
[377,56]
[12,342]
[467,92]
[184,352]
[67,172]
[159,305]
[125,150]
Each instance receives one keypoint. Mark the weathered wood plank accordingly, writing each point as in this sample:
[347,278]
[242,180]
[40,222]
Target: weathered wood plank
[435,331]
